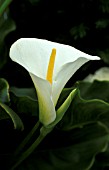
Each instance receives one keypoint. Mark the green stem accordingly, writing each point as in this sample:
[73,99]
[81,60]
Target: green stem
[4,6]
[26,140]
[25,154]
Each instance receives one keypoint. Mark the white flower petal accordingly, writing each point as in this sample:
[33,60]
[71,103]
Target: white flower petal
[64,75]
[47,112]
[66,54]
[34,55]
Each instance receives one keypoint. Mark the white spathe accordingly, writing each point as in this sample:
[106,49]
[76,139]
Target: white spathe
[34,55]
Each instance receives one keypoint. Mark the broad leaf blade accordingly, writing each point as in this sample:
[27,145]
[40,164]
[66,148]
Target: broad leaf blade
[18,124]
[95,90]
[4,91]
[24,101]
[79,153]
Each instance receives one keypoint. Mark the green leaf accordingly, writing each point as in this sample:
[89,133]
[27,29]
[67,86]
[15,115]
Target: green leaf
[3,114]
[82,134]
[101,161]
[4,91]
[27,92]
[95,90]
[79,153]
[14,117]
[3,5]
[24,101]
[83,112]
[5,111]
[89,105]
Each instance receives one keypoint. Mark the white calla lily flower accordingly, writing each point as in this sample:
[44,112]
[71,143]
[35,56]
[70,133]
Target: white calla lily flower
[50,66]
